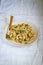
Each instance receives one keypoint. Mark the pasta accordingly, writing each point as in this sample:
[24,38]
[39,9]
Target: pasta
[21,33]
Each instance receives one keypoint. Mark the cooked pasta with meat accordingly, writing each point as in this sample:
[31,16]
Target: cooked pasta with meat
[21,33]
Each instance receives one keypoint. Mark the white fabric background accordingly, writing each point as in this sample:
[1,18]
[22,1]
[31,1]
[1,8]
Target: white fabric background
[21,56]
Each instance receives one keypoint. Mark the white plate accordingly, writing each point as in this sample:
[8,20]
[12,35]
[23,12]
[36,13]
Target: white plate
[19,19]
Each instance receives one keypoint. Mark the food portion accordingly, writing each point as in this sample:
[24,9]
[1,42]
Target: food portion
[22,34]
